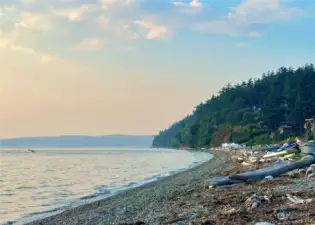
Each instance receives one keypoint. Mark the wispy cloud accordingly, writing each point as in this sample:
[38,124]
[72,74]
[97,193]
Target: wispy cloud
[34,21]
[241,19]
[90,44]
[77,13]
[21,49]
[155,31]
[188,8]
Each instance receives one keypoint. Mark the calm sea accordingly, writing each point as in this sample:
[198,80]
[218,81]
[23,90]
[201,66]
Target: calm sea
[35,185]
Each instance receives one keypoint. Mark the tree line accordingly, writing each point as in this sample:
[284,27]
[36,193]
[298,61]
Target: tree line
[259,111]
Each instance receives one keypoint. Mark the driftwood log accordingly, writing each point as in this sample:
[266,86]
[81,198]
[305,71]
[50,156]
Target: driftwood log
[260,174]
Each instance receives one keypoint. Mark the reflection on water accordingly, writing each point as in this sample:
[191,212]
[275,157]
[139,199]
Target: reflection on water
[50,179]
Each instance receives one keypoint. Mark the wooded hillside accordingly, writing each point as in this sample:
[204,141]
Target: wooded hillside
[258,111]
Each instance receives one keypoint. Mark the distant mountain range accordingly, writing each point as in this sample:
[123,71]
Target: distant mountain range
[80,141]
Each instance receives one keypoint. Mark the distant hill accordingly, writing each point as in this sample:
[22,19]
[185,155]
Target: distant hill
[80,141]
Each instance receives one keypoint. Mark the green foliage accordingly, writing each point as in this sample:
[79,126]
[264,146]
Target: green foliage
[248,112]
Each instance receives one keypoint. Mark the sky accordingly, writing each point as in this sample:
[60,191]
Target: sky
[95,67]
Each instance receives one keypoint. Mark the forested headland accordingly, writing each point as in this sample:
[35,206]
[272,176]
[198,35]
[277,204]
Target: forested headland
[259,111]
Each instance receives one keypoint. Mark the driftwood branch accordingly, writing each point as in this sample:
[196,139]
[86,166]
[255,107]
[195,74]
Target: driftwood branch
[260,174]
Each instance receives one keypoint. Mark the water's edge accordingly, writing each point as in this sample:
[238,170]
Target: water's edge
[106,194]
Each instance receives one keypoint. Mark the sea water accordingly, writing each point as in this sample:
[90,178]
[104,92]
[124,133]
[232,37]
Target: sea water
[40,184]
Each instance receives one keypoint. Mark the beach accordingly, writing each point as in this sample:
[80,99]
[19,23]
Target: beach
[185,199]
[148,203]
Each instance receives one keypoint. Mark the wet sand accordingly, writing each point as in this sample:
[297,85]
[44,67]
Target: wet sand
[148,204]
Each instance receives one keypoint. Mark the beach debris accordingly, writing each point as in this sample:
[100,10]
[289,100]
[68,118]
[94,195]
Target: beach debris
[245,164]
[177,220]
[262,160]
[253,159]
[282,216]
[264,223]
[253,202]
[136,223]
[260,174]
[228,186]
[297,200]
[240,159]
[287,209]
[229,211]
[209,222]
[282,153]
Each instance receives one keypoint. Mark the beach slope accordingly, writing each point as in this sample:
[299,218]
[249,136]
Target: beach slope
[148,204]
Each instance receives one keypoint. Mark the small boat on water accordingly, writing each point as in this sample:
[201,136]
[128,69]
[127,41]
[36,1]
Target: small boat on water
[30,151]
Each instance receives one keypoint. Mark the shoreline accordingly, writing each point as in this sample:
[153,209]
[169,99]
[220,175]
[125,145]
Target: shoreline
[138,204]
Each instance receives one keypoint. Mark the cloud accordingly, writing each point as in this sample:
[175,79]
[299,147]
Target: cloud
[90,44]
[192,4]
[188,8]
[46,58]
[195,4]
[242,19]
[155,32]
[106,3]
[75,14]
[260,11]
[117,29]
[34,21]
[7,9]
[24,50]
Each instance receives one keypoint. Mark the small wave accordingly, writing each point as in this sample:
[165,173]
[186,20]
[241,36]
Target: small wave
[6,194]
[88,197]
[102,189]
[43,212]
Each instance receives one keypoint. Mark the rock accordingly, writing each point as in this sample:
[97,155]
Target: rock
[245,164]
[312,166]
[283,216]
[269,178]
[293,174]
[256,204]
[310,170]
[302,171]
[253,202]
[311,175]
[267,198]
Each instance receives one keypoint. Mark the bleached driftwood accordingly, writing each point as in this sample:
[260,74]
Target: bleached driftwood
[260,174]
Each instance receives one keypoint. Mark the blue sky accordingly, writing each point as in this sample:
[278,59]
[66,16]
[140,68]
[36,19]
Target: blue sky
[136,66]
